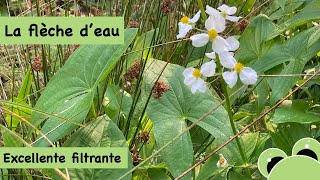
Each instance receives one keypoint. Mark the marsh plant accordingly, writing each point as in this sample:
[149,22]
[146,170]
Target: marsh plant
[198,90]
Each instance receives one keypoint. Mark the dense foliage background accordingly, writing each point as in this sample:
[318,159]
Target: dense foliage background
[134,95]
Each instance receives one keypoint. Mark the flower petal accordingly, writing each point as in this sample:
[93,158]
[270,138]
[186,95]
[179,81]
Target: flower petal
[233,18]
[212,11]
[227,60]
[215,22]
[223,8]
[248,76]
[227,9]
[189,80]
[188,72]
[183,30]
[230,77]
[198,85]
[199,40]
[211,55]
[195,17]
[233,42]
[220,45]
[208,69]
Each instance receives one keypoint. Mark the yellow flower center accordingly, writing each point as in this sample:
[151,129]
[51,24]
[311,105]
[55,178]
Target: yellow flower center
[185,20]
[212,33]
[238,67]
[196,73]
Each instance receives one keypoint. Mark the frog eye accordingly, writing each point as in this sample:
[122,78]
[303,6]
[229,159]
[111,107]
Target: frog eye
[268,159]
[307,147]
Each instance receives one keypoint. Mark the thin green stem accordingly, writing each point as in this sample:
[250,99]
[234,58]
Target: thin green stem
[93,110]
[201,30]
[230,114]
[203,12]
[224,86]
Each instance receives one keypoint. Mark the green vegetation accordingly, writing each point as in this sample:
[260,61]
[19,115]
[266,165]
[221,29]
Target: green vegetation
[181,110]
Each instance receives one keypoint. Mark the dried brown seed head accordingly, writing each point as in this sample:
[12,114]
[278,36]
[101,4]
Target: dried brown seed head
[133,72]
[166,6]
[133,24]
[159,89]
[37,63]
[243,24]
[143,137]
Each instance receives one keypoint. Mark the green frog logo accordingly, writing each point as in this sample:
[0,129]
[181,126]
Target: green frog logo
[303,164]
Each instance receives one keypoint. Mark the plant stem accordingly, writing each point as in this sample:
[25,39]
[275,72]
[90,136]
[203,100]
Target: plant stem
[203,12]
[203,31]
[93,110]
[230,114]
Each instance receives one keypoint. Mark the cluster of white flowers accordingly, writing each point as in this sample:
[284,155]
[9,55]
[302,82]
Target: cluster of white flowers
[224,48]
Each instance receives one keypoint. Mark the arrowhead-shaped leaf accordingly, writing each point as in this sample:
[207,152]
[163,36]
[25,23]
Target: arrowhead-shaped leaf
[69,94]
[178,104]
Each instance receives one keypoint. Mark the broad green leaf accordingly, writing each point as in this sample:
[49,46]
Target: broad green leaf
[101,132]
[233,175]
[281,10]
[282,3]
[260,146]
[170,112]
[297,112]
[70,92]
[288,134]
[249,142]
[309,13]
[117,102]
[298,52]
[8,139]
[262,94]
[179,155]
[157,173]
[221,176]
[253,40]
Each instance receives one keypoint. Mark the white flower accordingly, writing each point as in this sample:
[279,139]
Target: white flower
[234,44]
[214,25]
[247,75]
[186,24]
[224,11]
[194,77]
[222,162]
